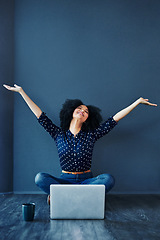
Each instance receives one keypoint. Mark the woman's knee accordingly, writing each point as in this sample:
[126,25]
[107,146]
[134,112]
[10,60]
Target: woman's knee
[108,178]
[39,178]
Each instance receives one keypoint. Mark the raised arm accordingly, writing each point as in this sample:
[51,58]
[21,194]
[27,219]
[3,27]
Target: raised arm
[128,109]
[34,108]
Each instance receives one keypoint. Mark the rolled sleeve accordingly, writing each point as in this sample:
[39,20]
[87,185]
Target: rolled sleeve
[48,125]
[104,128]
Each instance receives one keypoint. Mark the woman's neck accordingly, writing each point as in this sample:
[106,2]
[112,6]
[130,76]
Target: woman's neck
[75,126]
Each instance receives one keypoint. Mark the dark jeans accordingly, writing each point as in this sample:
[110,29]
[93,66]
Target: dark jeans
[44,180]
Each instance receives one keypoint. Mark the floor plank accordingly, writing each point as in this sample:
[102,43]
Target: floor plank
[133,217]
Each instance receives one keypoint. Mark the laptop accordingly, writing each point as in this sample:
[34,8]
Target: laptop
[76,201]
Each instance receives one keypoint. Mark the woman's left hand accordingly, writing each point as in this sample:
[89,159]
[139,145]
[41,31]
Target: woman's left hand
[128,109]
[146,102]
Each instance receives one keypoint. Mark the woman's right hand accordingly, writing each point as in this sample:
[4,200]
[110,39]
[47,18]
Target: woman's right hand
[34,108]
[16,88]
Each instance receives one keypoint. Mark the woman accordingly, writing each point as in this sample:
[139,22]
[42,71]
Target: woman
[80,129]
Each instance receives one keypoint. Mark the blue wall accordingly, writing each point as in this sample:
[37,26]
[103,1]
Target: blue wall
[6,100]
[105,53]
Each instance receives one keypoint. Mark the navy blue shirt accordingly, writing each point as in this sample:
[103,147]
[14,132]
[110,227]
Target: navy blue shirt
[75,152]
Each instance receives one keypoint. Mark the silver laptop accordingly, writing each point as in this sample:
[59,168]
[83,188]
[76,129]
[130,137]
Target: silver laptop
[75,201]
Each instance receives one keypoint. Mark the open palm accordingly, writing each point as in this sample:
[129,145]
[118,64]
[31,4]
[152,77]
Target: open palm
[146,102]
[16,88]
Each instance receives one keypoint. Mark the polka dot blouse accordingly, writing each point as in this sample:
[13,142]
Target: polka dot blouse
[75,152]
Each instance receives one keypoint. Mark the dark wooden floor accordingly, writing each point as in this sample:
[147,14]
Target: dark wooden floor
[127,217]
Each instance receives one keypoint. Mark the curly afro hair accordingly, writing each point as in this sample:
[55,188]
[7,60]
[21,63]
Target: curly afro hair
[66,115]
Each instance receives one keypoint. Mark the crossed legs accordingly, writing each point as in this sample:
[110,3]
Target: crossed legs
[44,180]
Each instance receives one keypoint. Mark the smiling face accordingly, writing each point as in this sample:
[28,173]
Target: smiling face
[81,113]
